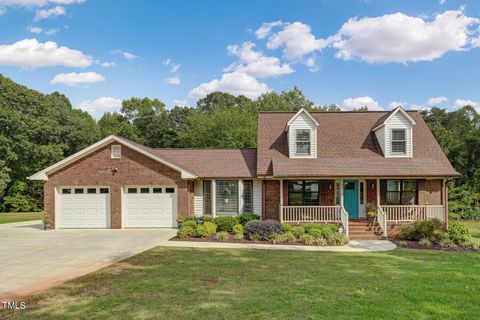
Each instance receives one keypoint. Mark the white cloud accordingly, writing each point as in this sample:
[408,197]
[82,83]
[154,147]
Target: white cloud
[30,54]
[180,103]
[235,83]
[459,103]
[359,102]
[174,68]
[125,54]
[297,40]
[266,28]
[38,3]
[394,104]
[48,13]
[105,64]
[254,63]
[169,63]
[103,104]
[3,10]
[74,79]
[400,38]
[38,30]
[435,101]
[173,80]
[442,2]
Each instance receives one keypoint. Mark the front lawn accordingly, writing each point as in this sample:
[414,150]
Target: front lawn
[20,216]
[184,283]
[473,226]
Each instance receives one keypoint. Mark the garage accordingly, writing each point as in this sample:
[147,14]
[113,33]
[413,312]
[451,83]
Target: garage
[84,207]
[149,206]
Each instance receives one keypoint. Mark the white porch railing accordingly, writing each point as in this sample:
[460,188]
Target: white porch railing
[344,219]
[298,214]
[414,212]
[382,221]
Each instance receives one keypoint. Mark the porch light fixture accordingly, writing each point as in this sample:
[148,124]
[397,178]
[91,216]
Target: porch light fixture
[330,186]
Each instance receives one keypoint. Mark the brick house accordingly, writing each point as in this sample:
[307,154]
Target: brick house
[307,167]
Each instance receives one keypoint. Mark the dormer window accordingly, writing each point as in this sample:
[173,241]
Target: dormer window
[302,142]
[116,151]
[399,143]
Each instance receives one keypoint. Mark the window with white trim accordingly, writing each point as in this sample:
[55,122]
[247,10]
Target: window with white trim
[116,151]
[399,142]
[302,142]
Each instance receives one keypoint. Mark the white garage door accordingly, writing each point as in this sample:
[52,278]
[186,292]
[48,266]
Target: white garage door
[84,207]
[150,206]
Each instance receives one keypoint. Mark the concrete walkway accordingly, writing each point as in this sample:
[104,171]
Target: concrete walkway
[32,259]
[352,246]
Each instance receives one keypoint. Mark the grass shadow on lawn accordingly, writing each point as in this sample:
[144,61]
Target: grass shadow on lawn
[185,283]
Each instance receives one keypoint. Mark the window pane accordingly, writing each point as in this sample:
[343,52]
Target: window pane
[303,135]
[207,197]
[295,198]
[302,140]
[78,191]
[157,190]
[311,186]
[393,185]
[247,196]
[144,190]
[103,190]
[398,135]
[169,190]
[398,146]
[393,197]
[361,192]
[91,190]
[66,191]
[303,148]
[337,192]
[409,185]
[132,190]
[311,198]
[408,197]
[227,197]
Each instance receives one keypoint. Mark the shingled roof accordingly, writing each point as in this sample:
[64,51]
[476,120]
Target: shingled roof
[347,147]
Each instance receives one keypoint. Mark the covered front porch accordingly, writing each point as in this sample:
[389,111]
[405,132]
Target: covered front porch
[338,200]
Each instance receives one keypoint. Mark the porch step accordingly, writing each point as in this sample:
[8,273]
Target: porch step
[361,229]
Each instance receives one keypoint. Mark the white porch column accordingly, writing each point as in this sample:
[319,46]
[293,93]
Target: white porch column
[281,201]
[378,192]
[240,196]
[214,198]
[341,193]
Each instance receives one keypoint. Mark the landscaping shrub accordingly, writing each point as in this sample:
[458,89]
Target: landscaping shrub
[200,231]
[447,243]
[327,234]
[286,227]
[338,239]
[311,226]
[237,229]
[316,233]
[458,232]
[470,244]
[244,218]
[298,231]
[205,218]
[425,242]
[428,228]
[334,227]
[190,218]
[288,237]
[190,223]
[276,238]
[307,239]
[184,232]
[226,223]
[263,228]
[238,236]
[407,232]
[254,237]
[221,236]
[320,242]
[210,227]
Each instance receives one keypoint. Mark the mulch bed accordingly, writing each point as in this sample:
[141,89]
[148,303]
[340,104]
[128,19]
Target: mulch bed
[211,238]
[418,246]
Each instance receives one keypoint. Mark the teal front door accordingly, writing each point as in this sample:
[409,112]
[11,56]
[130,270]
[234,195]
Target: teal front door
[350,197]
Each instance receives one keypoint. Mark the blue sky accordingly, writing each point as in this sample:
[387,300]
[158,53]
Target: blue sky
[352,53]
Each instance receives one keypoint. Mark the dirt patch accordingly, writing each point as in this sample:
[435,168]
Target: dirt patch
[433,246]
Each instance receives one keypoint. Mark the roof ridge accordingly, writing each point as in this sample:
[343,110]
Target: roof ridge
[207,148]
[340,112]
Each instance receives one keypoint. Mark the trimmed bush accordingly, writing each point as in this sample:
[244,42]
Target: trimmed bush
[239,236]
[210,227]
[286,227]
[184,232]
[316,233]
[458,232]
[221,236]
[407,232]
[311,226]
[244,218]
[428,228]
[237,229]
[263,228]
[190,223]
[307,239]
[200,231]
[338,239]
[447,243]
[205,219]
[425,242]
[190,218]
[226,223]
[470,244]
[254,237]
[320,242]
[276,238]
[298,231]
[289,237]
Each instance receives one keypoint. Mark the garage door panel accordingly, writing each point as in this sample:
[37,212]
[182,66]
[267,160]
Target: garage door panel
[143,210]
[83,210]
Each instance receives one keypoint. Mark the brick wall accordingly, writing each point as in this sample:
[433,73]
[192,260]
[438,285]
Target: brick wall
[433,192]
[271,199]
[96,169]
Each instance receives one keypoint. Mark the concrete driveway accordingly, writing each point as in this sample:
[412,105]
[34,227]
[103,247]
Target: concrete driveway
[32,259]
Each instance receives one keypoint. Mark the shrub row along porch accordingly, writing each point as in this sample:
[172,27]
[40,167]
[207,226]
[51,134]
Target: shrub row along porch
[389,200]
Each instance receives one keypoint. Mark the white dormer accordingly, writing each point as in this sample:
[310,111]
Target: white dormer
[395,134]
[302,135]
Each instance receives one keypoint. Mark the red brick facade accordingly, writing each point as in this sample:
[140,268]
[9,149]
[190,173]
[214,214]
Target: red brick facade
[133,168]
[271,199]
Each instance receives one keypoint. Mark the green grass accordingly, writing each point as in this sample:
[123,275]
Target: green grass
[473,226]
[183,283]
[18,217]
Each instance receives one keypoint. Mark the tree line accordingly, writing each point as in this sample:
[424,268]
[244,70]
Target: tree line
[37,130]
